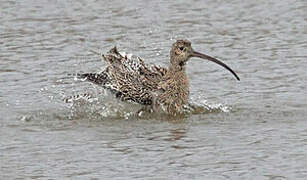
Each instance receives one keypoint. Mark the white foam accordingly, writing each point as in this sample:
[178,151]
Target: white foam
[219,106]
[123,54]
[129,56]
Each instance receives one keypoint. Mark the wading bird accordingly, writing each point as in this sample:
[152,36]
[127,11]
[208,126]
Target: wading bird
[159,88]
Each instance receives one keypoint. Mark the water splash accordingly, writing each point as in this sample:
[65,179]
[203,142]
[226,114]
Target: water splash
[100,103]
[102,106]
[203,106]
[106,106]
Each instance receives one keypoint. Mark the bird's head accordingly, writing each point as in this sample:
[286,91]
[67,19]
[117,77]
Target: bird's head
[182,51]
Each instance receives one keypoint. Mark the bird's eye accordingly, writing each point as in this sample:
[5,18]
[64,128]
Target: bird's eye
[181,48]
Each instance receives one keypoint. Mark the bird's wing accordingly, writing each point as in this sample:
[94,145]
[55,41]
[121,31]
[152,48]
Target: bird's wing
[128,77]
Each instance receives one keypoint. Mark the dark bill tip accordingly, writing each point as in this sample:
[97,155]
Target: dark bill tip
[204,56]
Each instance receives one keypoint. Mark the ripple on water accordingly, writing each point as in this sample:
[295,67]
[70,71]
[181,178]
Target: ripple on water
[105,105]
[259,134]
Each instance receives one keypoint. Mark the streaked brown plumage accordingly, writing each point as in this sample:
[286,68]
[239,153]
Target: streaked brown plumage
[161,88]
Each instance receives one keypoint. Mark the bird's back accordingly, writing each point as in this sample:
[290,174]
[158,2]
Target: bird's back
[128,77]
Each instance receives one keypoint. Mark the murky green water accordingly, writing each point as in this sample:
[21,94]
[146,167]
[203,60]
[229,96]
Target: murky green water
[255,128]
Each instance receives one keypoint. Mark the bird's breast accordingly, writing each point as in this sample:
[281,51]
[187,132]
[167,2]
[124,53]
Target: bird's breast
[175,92]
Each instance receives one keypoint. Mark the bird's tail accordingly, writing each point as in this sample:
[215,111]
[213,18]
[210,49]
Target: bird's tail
[83,96]
[96,78]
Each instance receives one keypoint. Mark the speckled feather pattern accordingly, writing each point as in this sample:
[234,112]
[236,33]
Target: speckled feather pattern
[129,79]
[166,89]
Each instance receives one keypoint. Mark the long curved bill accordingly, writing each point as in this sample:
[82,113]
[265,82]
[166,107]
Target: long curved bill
[204,56]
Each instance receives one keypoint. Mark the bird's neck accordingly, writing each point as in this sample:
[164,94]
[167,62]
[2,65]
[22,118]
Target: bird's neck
[178,74]
[177,68]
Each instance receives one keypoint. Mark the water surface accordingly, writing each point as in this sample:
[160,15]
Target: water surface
[254,129]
